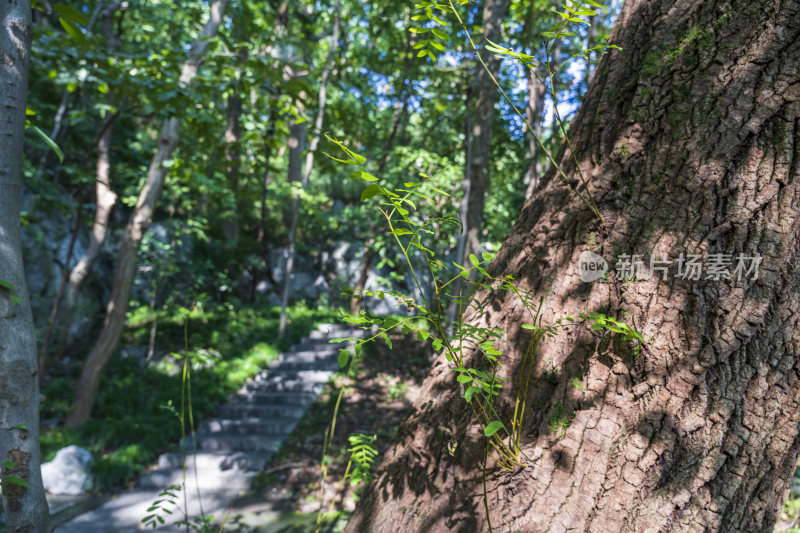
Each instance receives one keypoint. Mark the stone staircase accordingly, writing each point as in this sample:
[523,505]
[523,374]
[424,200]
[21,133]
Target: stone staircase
[232,448]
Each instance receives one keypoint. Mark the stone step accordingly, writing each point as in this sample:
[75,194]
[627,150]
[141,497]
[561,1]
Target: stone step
[249,426]
[289,385]
[334,331]
[279,374]
[232,448]
[311,351]
[208,479]
[316,347]
[238,443]
[221,461]
[308,357]
[329,363]
[283,398]
[247,410]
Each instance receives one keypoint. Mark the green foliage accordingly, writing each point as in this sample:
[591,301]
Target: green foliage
[130,424]
[602,322]
[362,456]
[560,419]
[15,299]
[479,381]
[166,498]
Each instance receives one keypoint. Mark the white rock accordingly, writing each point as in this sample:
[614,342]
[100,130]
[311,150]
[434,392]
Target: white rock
[69,473]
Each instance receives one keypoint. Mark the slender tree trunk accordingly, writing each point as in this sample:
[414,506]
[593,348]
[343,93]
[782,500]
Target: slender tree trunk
[555,88]
[477,146]
[265,182]
[478,162]
[312,148]
[105,199]
[534,112]
[25,507]
[455,306]
[401,111]
[230,224]
[691,138]
[138,224]
[233,150]
[591,35]
[367,257]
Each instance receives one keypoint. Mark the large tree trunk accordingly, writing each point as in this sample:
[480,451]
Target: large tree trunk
[25,507]
[691,139]
[138,224]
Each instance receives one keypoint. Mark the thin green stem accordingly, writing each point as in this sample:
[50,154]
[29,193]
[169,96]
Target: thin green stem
[485,493]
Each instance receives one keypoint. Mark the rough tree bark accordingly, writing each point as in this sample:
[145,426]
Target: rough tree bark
[691,138]
[138,224]
[25,507]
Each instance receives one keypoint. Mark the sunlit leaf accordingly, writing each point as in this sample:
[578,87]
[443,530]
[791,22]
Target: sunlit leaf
[492,428]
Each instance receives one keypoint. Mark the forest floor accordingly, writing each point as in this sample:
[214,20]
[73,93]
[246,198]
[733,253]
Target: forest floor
[286,496]
[789,519]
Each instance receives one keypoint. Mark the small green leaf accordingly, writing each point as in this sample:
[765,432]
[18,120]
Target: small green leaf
[6,285]
[71,14]
[470,392]
[50,142]
[388,341]
[371,190]
[344,355]
[8,465]
[345,161]
[361,175]
[73,31]
[492,428]
[528,326]
[473,260]
[14,480]
[464,378]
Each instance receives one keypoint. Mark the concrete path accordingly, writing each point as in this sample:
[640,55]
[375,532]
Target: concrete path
[231,448]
